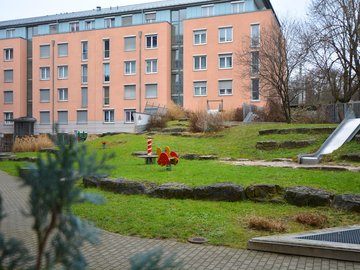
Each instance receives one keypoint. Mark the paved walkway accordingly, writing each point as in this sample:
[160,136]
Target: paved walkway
[115,250]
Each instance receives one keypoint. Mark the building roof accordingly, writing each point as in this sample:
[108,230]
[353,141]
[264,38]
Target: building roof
[101,12]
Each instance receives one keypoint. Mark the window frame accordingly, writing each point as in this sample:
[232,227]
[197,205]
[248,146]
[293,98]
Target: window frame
[194,89]
[210,10]
[10,33]
[67,117]
[73,29]
[240,3]
[109,22]
[106,96]
[200,62]
[204,31]
[12,75]
[8,121]
[12,96]
[131,118]
[123,17]
[219,89]
[48,73]
[8,54]
[149,63]
[53,28]
[226,56]
[132,67]
[252,44]
[106,53]
[151,36]
[129,37]
[90,23]
[157,92]
[77,117]
[59,49]
[132,86]
[150,20]
[226,34]
[49,94]
[47,46]
[63,94]
[84,50]
[41,122]
[63,72]
[252,89]
[111,114]
[105,75]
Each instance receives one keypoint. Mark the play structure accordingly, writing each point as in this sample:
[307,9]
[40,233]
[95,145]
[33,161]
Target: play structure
[345,132]
[167,158]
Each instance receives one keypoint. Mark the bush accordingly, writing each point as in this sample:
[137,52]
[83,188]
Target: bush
[175,112]
[312,219]
[272,112]
[32,143]
[238,114]
[265,224]
[310,115]
[205,122]
[157,121]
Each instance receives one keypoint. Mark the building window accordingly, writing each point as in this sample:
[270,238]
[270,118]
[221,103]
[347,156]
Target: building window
[106,95]
[129,92]
[45,73]
[126,20]
[150,17]
[225,34]
[8,54]
[207,10]
[106,48]
[74,27]
[44,118]
[200,62]
[90,25]
[225,61]
[108,116]
[63,117]
[8,97]
[255,90]
[62,72]
[225,88]
[109,22]
[84,50]
[82,117]
[106,68]
[151,66]
[129,67]
[255,35]
[151,90]
[84,97]
[8,76]
[129,44]
[62,94]
[255,63]
[44,95]
[8,118]
[84,74]
[35,30]
[62,49]
[151,41]
[200,89]
[129,116]
[200,37]
[53,28]
[238,7]
[10,33]
[45,51]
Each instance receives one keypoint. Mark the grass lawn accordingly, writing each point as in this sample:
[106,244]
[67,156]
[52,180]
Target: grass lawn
[223,223]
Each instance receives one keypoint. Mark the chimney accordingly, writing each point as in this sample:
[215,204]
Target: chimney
[98,8]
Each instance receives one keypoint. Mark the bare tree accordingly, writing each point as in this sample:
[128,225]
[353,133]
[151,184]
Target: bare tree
[275,60]
[334,42]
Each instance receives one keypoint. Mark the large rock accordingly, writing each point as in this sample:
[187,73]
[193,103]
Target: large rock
[296,144]
[172,191]
[349,202]
[352,157]
[307,196]
[264,192]
[190,156]
[267,145]
[220,192]
[124,186]
[323,130]
[93,181]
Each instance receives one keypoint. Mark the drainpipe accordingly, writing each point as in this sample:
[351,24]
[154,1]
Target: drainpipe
[53,85]
[140,69]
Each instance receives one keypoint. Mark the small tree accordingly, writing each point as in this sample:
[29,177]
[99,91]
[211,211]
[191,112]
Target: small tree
[53,190]
[274,60]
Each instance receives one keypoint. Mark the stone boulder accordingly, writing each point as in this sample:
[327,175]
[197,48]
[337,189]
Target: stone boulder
[125,186]
[352,157]
[190,156]
[296,144]
[308,196]
[220,192]
[264,193]
[172,191]
[267,145]
[349,202]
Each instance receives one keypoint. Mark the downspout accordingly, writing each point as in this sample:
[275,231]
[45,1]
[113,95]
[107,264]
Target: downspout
[140,69]
[53,85]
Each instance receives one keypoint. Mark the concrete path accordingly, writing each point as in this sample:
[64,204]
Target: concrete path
[115,250]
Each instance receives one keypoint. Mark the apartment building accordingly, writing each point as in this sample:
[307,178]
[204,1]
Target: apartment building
[93,70]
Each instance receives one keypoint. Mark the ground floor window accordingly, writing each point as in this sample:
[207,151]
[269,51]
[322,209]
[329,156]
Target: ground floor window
[255,90]
[108,116]
[129,116]
[44,118]
[8,117]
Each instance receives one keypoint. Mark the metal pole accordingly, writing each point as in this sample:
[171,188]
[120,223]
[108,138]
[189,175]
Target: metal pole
[53,85]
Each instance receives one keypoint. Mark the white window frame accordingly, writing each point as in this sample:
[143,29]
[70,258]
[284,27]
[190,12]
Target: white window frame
[109,22]
[43,90]
[195,57]
[67,49]
[47,123]
[111,116]
[199,32]
[74,26]
[44,45]
[47,77]
[63,72]
[151,36]
[132,67]
[77,118]
[227,40]
[240,4]
[157,90]
[194,89]
[7,120]
[106,53]
[127,37]
[127,16]
[12,76]
[90,23]
[104,74]
[83,51]
[129,85]
[253,45]
[53,30]
[67,118]
[63,94]
[150,63]
[226,56]
[8,54]
[209,10]
[10,33]
[150,20]
[257,65]
[12,96]
[84,77]
[131,114]
[232,87]
[106,99]
[252,91]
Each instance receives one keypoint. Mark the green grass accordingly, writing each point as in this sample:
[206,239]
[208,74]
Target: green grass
[223,223]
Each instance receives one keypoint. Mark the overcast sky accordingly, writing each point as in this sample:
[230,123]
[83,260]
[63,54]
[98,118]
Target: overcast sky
[16,9]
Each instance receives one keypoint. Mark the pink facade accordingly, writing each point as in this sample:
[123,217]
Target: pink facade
[12,81]
[235,33]
[105,50]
